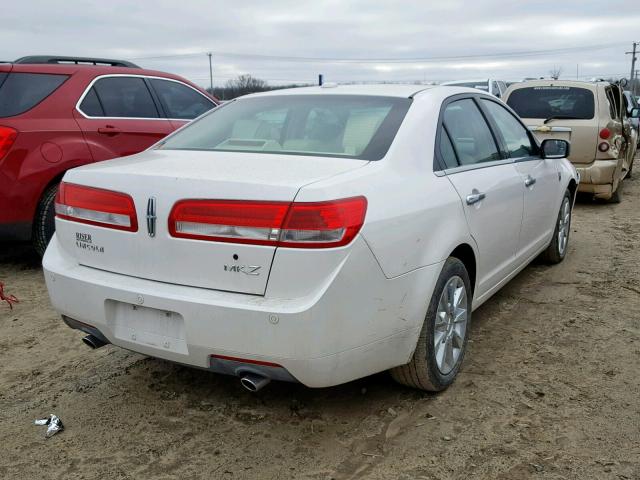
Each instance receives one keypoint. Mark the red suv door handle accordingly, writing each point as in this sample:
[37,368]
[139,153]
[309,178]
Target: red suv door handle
[109,130]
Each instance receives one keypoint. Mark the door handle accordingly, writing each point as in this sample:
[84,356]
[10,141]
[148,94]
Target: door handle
[109,130]
[475,197]
[529,181]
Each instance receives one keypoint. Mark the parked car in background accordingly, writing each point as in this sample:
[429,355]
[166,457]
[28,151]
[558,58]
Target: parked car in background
[57,113]
[315,234]
[593,117]
[490,85]
[630,103]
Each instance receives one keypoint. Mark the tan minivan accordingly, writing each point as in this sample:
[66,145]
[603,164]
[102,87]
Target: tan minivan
[593,117]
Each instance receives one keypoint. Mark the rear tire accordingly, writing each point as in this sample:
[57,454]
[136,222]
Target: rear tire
[44,222]
[557,249]
[616,197]
[630,171]
[434,364]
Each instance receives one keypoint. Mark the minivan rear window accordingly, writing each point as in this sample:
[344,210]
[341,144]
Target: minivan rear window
[351,126]
[20,92]
[553,101]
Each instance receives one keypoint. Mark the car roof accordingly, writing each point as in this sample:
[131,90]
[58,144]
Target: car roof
[466,81]
[551,82]
[379,90]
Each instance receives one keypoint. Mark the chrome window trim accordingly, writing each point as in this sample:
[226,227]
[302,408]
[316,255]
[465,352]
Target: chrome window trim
[475,166]
[127,75]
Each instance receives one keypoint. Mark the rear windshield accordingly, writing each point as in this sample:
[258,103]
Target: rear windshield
[479,85]
[20,92]
[351,126]
[553,101]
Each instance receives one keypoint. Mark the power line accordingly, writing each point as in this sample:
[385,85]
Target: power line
[283,58]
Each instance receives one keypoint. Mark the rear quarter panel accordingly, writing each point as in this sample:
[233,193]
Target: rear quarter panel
[414,218]
[49,142]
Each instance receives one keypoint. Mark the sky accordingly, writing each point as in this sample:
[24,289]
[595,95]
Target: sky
[288,41]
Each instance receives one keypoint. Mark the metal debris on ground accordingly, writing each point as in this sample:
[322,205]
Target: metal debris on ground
[54,425]
[10,299]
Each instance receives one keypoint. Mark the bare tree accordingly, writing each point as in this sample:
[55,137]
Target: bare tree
[243,85]
[555,72]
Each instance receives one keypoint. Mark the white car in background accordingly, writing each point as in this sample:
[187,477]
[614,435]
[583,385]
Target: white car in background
[490,85]
[316,235]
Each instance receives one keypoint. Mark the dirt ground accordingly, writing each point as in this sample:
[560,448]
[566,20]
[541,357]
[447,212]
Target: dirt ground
[550,389]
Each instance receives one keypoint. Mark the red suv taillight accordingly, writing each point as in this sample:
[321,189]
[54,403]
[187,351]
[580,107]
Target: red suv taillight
[96,206]
[297,225]
[7,138]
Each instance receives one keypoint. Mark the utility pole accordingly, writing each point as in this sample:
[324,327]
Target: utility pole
[211,73]
[577,71]
[633,61]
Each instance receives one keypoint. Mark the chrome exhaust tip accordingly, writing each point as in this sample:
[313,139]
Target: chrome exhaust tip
[253,382]
[93,342]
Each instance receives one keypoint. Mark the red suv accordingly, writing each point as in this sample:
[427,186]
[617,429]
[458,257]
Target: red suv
[57,113]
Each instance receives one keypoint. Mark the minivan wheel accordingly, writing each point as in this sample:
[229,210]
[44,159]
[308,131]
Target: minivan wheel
[630,171]
[44,222]
[616,197]
[443,338]
[557,249]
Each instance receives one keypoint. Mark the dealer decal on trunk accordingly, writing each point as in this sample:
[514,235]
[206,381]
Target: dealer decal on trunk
[84,241]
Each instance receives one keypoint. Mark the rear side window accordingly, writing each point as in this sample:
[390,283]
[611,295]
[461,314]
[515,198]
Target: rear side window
[553,101]
[470,134]
[180,101]
[124,97]
[447,152]
[515,135]
[20,92]
[91,105]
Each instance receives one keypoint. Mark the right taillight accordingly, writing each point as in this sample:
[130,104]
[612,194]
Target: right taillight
[605,133]
[96,206]
[297,225]
[603,147]
[7,138]
[323,224]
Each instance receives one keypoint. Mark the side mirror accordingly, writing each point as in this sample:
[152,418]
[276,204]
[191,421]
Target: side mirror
[552,148]
[635,113]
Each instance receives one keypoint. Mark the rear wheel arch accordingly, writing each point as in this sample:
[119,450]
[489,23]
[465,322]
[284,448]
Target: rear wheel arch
[573,188]
[41,229]
[465,253]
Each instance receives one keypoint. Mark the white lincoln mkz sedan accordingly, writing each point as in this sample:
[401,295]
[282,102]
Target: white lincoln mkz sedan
[315,235]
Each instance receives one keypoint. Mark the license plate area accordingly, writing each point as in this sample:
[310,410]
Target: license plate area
[151,327]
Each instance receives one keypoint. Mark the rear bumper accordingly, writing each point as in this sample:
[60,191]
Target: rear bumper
[343,333]
[599,177]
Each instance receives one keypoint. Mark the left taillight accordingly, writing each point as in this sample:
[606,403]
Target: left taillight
[282,224]
[96,206]
[7,138]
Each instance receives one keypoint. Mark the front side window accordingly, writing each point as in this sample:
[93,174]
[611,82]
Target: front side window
[20,92]
[179,101]
[515,135]
[553,101]
[471,137]
[352,126]
[124,97]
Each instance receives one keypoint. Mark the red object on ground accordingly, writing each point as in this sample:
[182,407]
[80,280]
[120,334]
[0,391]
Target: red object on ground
[10,299]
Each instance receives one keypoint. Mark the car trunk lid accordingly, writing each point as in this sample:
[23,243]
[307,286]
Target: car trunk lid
[156,180]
